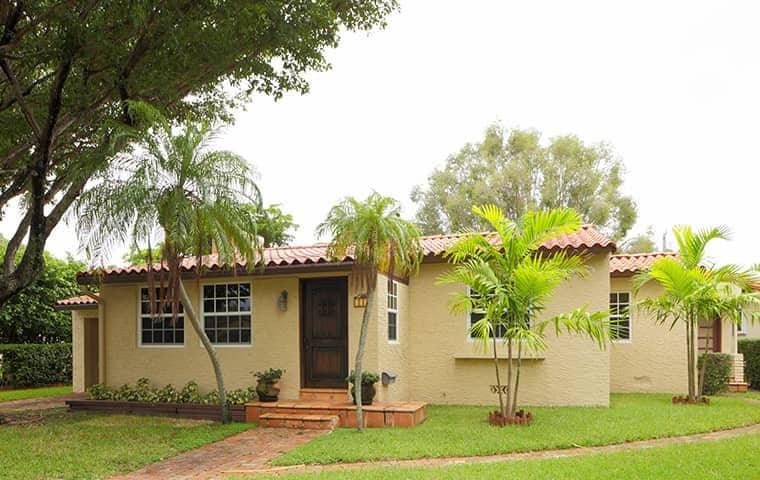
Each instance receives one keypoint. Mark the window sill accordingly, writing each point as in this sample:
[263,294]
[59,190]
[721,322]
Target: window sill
[471,356]
[160,346]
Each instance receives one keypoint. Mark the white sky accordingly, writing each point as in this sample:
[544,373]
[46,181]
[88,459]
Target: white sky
[673,86]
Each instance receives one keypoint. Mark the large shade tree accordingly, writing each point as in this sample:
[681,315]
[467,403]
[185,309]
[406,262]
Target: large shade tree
[517,172]
[68,69]
[176,190]
[380,241]
[509,283]
[696,291]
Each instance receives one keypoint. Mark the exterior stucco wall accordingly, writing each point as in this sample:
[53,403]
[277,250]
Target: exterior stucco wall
[393,356]
[446,367]
[654,359]
[77,351]
[275,339]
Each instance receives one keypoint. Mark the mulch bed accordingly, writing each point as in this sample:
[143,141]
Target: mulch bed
[680,399]
[180,410]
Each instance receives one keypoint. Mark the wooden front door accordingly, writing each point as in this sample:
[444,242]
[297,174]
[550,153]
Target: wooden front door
[324,332]
[709,337]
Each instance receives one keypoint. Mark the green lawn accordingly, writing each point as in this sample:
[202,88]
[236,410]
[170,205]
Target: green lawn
[83,446]
[733,458]
[463,431]
[7,395]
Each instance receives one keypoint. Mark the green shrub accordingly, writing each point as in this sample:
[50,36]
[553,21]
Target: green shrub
[717,372]
[29,365]
[368,378]
[142,392]
[750,348]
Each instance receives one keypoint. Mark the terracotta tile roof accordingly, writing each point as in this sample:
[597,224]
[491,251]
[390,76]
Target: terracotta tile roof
[78,301]
[434,245]
[630,263]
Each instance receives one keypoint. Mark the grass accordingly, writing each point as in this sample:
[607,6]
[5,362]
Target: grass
[87,446]
[463,431]
[8,395]
[719,459]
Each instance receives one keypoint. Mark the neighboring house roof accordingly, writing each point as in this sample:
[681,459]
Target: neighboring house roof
[76,303]
[277,258]
[629,263]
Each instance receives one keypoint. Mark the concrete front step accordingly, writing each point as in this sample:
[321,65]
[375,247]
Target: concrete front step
[297,420]
[324,394]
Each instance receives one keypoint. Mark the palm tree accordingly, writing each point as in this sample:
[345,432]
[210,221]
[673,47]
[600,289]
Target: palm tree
[373,232]
[695,291]
[510,283]
[174,188]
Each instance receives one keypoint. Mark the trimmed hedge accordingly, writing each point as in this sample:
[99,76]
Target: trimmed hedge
[33,364]
[750,348]
[717,372]
[143,392]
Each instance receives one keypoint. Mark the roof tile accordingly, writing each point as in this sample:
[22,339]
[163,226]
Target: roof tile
[630,263]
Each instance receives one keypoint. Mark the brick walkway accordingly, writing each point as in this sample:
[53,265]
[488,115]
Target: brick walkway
[43,403]
[509,457]
[248,451]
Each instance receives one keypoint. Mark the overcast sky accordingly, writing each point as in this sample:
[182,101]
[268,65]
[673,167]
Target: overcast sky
[673,86]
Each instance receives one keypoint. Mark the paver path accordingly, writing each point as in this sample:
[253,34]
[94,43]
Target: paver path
[41,403]
[572,452]
[250,450]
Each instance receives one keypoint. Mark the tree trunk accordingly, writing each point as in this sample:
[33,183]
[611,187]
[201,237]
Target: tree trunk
[212,355]
[358,361]
[690,359]
[517,379]
[509,374]
[498,377]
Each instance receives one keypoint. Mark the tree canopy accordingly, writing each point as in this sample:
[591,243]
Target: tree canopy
[641,243]
[515,171]
[70,68]
[29,317]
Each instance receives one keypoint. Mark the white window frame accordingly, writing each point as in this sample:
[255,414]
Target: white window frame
[140,316]
[392,292]
[741,328]
[202,309]
[468,320]
[630,315]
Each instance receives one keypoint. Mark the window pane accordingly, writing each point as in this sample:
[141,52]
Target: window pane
[211,334]
[221,336]
[245,336]
[144,294]
[180,323]
[221,322]
[208,291]
[221,305]
[623,297]
[208,306]
[179,336]
[244,289]
[232,305]
[234,321]
[147,337]
[245,304]
[234,336]
[209,322]
[144,308]
[146,323]
[169,336]
[232,290]
[221,291]
[245,321]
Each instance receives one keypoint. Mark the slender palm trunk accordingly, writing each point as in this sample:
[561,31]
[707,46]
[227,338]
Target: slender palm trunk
[212,355]
[509,375]
[359,358]
[498,377]
[690,360]
[517,379]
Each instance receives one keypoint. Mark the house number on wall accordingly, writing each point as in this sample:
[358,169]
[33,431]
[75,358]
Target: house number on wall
[496,388]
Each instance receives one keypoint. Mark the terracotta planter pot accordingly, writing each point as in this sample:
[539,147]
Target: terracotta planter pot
[499,420]
[368,393]
[268,391]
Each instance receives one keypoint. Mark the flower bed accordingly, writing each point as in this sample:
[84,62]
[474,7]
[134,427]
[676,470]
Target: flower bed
[196,411]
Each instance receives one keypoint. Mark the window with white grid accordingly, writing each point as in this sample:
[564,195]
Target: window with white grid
[392,311]
[227,313]
[620,316]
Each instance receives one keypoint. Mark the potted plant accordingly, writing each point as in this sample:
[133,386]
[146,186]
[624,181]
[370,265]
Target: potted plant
[369,380]
[268,385]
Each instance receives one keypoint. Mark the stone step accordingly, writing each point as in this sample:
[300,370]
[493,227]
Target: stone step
[300,421]
[325,394]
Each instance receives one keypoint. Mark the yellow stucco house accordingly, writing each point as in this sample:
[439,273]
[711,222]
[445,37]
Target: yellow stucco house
[300,313]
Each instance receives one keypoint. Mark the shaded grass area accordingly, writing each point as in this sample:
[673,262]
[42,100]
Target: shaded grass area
[8,395]
[708,460]
[463,431]
[84,446]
